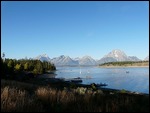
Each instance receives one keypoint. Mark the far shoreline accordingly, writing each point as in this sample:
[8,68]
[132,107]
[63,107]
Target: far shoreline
[122,66]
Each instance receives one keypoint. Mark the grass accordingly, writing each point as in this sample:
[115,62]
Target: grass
[126,64]
[18,97]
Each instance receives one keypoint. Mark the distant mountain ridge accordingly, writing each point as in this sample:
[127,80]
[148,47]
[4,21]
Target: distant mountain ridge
[87,60]
[133,58]
[43,57]
[113,56]
[117,55]
[63,60]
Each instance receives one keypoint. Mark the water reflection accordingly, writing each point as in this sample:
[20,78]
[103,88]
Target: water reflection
[137,79]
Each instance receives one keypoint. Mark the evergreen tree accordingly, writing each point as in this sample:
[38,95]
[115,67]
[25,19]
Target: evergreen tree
[10,66]
[26,66]
[18,68]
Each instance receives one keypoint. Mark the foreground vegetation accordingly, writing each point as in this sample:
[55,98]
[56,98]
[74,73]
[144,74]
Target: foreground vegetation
[21,96]
[126,63]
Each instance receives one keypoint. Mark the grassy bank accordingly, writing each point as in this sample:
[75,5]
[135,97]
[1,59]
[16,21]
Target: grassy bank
[126,64]
[19,96]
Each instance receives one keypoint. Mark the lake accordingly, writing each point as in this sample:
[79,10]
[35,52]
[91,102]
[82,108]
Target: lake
[132,79]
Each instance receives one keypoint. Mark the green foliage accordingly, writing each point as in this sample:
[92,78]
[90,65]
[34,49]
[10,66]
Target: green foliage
[125,63]
[13,66]
[26,66]
[10,64]
[123,91]
[93,86]
[18,67]
[81,90]
[72,85]
[35,71]
[39,67]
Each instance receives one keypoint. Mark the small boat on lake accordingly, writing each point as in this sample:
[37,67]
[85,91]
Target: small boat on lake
[76,80]
[102,84]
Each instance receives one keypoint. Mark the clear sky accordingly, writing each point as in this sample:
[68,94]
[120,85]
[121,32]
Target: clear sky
[74,28]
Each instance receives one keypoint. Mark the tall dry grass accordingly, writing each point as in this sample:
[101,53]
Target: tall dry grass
[16,96]
[15,100]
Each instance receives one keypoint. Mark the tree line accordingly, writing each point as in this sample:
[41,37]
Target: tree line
[12,67]
[122,63]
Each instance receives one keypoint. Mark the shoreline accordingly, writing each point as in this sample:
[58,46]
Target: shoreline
[60,84]
[122,66]
[49,78]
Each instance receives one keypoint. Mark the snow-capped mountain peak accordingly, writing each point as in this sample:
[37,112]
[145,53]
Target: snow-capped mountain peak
[87,60]
[63,60]
[43,57]
[113,56]
[117,54]
[76,59]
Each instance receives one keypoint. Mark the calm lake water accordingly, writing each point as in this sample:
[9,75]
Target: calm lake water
[136,80]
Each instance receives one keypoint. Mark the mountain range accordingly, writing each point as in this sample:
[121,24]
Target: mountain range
[113,56]
[63,60]
[117,55]
[43,57]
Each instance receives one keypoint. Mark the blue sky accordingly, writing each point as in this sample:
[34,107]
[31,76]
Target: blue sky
[74,28]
